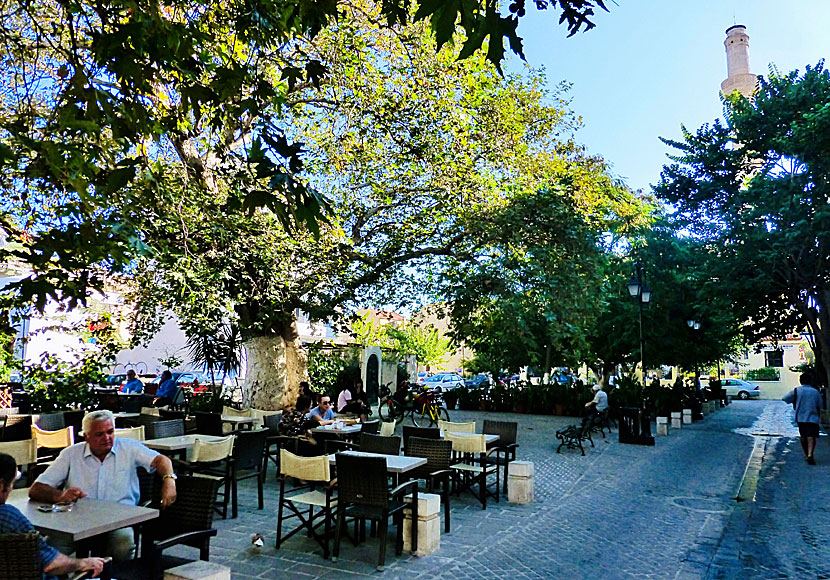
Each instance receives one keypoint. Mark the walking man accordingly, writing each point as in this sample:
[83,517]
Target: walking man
[806,400]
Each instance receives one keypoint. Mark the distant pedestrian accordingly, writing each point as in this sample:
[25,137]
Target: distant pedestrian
[806,400]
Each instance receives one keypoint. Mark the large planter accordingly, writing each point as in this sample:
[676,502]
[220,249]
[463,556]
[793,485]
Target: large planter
[559,409]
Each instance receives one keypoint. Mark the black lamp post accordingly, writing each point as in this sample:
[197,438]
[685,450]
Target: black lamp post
[642,294]
[694,325]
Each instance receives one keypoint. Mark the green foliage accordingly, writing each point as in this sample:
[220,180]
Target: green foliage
[429,345]
[763,374]
[217,349]
[327,369]
[211,401]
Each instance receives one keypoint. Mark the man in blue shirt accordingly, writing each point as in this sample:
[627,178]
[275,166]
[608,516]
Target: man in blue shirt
[133,385]
[166,392]
[806,400]
[104,468]
[323,413]
[12,521]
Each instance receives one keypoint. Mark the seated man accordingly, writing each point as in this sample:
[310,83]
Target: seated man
[323,413]
[104,468]
[12,521]
[133,385]
[599,402]
[167,390]
[354,401]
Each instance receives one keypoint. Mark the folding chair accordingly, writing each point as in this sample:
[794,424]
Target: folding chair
[471,465]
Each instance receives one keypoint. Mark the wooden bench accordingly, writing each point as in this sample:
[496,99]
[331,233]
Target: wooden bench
[572,436]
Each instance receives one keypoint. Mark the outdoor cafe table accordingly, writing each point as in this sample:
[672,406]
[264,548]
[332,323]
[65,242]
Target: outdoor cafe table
[344,430]
[488,438]
[235,421]
[394,463]
[88,518]
[180,444]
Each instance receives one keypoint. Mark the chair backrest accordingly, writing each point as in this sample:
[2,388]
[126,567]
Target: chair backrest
[231,412]
[166,414]
[387,428]
[24,452]
[250,449]
[466,443]
[457,427]
[438,452]
[192,510]
[20,557]
[506,430]
[18,428]
[74,419]
[423,432]
[362,480]
[208,423]
[51,422]
[306,468]
[380,444]
[370,427]
[53,439]
[272,423]
[161,429]
[136,433]
[262,414]
[208,451]
[135,403]
[149,411]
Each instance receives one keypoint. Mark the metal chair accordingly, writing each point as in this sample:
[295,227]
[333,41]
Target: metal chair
[422,432]
[506,445]
[471,466]
[363,494]
[449,426]
[316,492]
[438,469]
[161,429]
[380,444]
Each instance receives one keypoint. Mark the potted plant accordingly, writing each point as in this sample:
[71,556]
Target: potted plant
[468,399]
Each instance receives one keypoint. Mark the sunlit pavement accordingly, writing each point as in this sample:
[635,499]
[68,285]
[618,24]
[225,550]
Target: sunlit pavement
[622,511]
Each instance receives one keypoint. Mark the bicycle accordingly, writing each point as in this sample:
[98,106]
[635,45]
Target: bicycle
[425,408]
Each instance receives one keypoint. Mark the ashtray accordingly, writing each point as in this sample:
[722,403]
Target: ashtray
[56,507]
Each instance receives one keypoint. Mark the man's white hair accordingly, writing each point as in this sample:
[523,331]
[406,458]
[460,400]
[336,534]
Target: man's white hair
[100,415]
[596,387]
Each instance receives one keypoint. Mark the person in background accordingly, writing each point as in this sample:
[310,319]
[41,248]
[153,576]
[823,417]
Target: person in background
[322,413]
[354,401]
[806,400]
[133,384]
[296,422]
[12,521]
[104,468]
[166,391]
[599,402]
[305,389]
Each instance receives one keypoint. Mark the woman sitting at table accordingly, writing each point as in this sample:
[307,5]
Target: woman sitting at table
[323,413]
[167,390]
[354,401]
[295,423]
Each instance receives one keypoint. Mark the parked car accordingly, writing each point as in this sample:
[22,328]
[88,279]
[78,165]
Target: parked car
[479,381]
[194,381]
[447,381]
[740,388]
[116,380]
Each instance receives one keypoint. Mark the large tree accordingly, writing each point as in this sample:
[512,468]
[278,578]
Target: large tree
[757,189]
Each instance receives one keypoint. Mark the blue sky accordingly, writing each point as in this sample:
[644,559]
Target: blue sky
[651,65]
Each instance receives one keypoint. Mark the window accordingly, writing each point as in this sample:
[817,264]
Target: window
[774,358]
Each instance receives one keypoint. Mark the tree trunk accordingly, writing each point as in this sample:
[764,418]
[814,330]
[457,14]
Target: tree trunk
[276,365]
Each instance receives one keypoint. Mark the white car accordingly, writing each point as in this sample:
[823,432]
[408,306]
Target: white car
[447,381]
[740,388]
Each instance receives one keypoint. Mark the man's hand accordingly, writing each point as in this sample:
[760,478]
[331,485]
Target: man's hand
[71,494]
[168,492]
[94,564]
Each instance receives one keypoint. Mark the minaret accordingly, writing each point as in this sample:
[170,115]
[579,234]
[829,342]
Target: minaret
[738,76]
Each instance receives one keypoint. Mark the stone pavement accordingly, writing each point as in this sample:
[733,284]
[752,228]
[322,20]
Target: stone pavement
[622,511]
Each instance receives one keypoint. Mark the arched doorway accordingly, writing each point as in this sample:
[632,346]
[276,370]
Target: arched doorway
[372,378]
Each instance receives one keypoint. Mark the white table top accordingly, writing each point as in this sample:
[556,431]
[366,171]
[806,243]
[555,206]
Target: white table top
[394,463]
[125,415]
[487,437]
[88,518]
[344,430]
[179,442]
[239,420]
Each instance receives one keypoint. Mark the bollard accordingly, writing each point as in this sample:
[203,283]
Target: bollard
[198,570]
[429,524]
[662,425]
[520,482]
[676,420]
[687,416]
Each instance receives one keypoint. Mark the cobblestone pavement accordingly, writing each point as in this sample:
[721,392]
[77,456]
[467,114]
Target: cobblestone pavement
[620,512]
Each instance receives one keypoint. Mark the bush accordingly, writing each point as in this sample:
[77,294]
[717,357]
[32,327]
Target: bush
[763,374]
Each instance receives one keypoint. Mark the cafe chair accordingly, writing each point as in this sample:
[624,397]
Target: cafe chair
[25,455]
[50,443]
[271,423]
[136,433]
[362,493]
[387,428]
[20,556]
[329,442]
[299,502]
[209,424]
[188,521]
[470,454]
[167,414]
[74,419]
[248,453]
[370,427]
[51,421]
[422,432]
[506,445]
[438,472]
[149,411]
[379,444]
[2,426]
[18,428]
[213,458]
[449,426]
[162,429]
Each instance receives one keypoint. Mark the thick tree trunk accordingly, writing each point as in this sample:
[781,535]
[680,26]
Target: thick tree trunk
[276,365]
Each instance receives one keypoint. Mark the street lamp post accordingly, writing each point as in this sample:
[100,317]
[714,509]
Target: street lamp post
[694,325]
[642,294]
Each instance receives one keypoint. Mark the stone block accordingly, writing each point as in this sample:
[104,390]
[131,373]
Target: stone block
[662,426]
[687,416]
[429,533]
[198,570]
[521,469]
[521,485]
[429,504]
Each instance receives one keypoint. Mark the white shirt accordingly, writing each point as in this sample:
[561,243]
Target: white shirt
[114,479]
[601,400]
[343,399]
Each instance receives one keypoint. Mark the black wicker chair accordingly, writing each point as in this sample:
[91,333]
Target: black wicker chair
[209,424]
[160,429]
[370,427]
[506,445]
[167,415]
[362,493]
[380,444]
[20,557]
[248,454]
[422,432]
[437,471]
[18,428]
[187,521]
[272,442]
[51,421]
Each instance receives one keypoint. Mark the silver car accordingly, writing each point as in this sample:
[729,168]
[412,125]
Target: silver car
[741,389]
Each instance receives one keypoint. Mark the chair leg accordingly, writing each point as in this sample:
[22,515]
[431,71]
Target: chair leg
[260,483]
[279,514]
[338,530]
[384,524]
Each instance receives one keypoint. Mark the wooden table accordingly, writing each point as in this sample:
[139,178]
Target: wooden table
[394,463]
[88,518]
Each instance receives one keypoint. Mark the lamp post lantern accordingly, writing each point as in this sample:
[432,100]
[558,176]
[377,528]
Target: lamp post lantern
[638,421]
[642,294]
[694,325]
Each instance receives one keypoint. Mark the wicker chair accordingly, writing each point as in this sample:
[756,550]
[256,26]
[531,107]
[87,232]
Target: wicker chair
[370,427]
[449,426]
[300,501]
[209,424]
[471,467]
[167,415]
[422,432]
[187,521]
[74,419]
[18,428]
[20,556]
[161,429]
[248,454]
[506,445]
[380,444]
[51,422]
[136,433]
[214,458]
[438,469]
[363,494]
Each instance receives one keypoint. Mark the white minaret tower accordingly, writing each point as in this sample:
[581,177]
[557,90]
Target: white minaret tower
[738,76]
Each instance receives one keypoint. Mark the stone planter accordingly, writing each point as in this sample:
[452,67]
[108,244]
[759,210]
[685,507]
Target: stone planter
[662,426]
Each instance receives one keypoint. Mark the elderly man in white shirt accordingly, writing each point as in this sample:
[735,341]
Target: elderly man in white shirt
[600,400]
[104,468]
